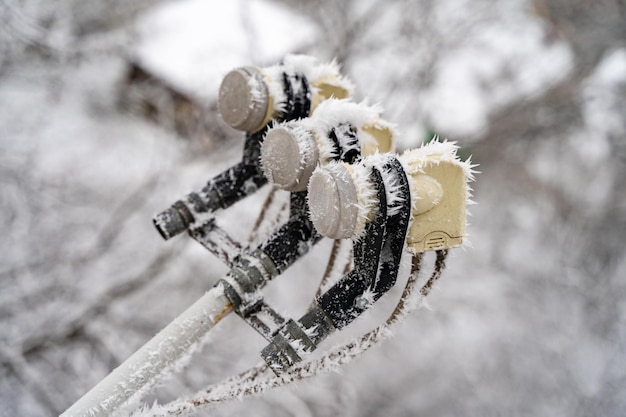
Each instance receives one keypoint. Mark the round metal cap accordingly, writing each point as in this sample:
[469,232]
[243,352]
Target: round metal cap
[243,99]
[333,202]
[288,159]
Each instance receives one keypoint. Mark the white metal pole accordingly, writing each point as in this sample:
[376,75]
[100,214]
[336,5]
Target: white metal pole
[144,368]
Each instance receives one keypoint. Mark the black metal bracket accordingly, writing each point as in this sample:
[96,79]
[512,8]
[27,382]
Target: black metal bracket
[376,257]
[253,269]
[242,179]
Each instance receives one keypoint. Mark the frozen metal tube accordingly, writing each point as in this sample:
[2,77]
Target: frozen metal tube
[143,369]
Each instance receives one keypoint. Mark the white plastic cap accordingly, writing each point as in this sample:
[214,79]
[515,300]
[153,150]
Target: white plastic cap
[288,157]
[243,99]
[333,202]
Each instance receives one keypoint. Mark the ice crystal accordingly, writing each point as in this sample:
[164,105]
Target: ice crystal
[333,112]
[257,89]
[303,65]
[367,201]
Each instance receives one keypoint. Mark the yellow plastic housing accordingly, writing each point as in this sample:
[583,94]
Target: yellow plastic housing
[440,184]
[325,88]
[383,136]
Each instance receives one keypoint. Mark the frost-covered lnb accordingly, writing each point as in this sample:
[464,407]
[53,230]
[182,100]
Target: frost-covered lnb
[387,204]
[338,130]
[249,99]
[342,198]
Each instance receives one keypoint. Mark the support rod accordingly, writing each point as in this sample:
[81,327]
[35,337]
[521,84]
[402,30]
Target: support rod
[143,369]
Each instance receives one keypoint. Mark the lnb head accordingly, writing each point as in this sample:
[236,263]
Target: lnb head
[338,204]
[342,198]
[338,130]
[249,97]
[243,99]
[289,155]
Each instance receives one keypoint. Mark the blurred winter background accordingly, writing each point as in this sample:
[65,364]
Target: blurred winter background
[108,115]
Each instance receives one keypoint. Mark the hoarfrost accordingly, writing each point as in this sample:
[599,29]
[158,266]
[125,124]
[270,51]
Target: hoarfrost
[326,148]
[81,178]
[311,332]
[367,201]
[316,72]
[274,81]
[332,112]
[366,299]
[168,352]
[257,89]
[391,183]
[414,160]
[308,66]
[257,380]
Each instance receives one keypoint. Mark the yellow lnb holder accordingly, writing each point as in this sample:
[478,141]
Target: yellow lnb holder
[342,198]
[439,184]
